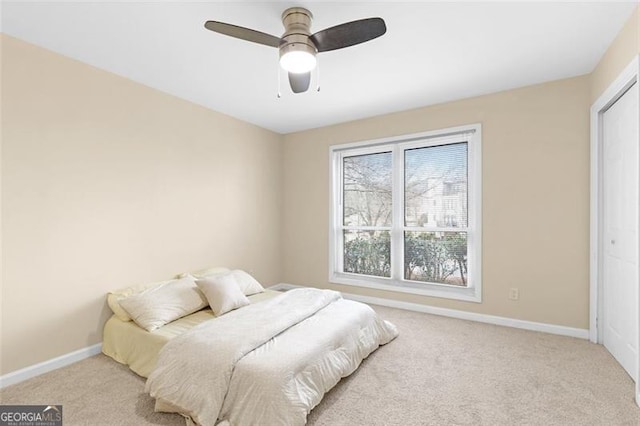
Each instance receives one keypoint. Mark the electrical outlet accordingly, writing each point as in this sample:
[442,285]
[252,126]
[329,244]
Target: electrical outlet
[514,293]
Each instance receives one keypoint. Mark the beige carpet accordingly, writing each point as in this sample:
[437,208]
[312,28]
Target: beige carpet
[440,371]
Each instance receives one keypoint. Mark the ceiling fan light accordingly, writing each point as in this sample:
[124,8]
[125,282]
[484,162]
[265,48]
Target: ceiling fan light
[298,61]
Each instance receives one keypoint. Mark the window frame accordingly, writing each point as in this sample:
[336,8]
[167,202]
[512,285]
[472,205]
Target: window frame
[471,134]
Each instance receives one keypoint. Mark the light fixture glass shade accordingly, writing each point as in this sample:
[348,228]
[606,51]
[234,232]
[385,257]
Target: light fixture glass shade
[298,61]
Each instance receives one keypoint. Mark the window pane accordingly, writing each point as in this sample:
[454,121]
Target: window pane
[437,257]
[436,186]
[367,190]
[367,253]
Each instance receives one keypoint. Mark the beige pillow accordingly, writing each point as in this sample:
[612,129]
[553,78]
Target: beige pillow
[161,305]
[115,297]
[205,272]
[223,293]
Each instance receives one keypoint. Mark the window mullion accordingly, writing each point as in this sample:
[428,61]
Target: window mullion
[397,223]
[366,228]
[338,218]
[436,229]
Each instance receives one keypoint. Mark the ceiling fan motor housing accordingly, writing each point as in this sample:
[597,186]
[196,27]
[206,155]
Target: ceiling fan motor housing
[297,22]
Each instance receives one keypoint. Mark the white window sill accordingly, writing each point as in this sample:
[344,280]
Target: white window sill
[467,294]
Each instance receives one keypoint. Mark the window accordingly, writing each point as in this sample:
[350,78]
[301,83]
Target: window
[406,214]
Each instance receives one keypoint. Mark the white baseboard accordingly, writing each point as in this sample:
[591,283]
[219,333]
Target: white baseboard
[453,313]
[50,365]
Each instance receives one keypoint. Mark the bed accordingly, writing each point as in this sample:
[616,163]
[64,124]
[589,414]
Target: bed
[129,344]
[268,362]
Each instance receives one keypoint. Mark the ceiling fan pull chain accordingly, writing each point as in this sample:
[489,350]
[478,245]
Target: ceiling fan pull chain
[279,93]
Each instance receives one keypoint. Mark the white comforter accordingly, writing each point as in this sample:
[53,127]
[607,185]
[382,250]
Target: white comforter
[268,363]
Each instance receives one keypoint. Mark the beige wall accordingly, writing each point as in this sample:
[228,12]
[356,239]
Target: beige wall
[107,183]
[535,198]
[622,50]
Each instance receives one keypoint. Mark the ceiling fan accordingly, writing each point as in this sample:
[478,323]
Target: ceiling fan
[298,47]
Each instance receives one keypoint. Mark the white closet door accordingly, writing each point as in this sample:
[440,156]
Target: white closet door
[620,230]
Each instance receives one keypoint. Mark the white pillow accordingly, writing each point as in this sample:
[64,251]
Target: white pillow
[115,297]
[223,293]
[246,282]
[205,272]
[161,305]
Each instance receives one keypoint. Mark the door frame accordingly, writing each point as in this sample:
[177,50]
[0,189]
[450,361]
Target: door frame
[625,80]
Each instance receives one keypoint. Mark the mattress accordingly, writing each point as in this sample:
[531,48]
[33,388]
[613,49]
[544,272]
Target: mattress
[127,343]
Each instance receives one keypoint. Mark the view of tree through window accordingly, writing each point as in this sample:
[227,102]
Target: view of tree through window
[435,214]
[367,204]
[367,190]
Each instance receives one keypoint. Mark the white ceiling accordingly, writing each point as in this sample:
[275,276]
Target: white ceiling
[432,52]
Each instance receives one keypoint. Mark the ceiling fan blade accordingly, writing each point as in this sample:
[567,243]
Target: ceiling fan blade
[243,33]
[299,82]
[348,34]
